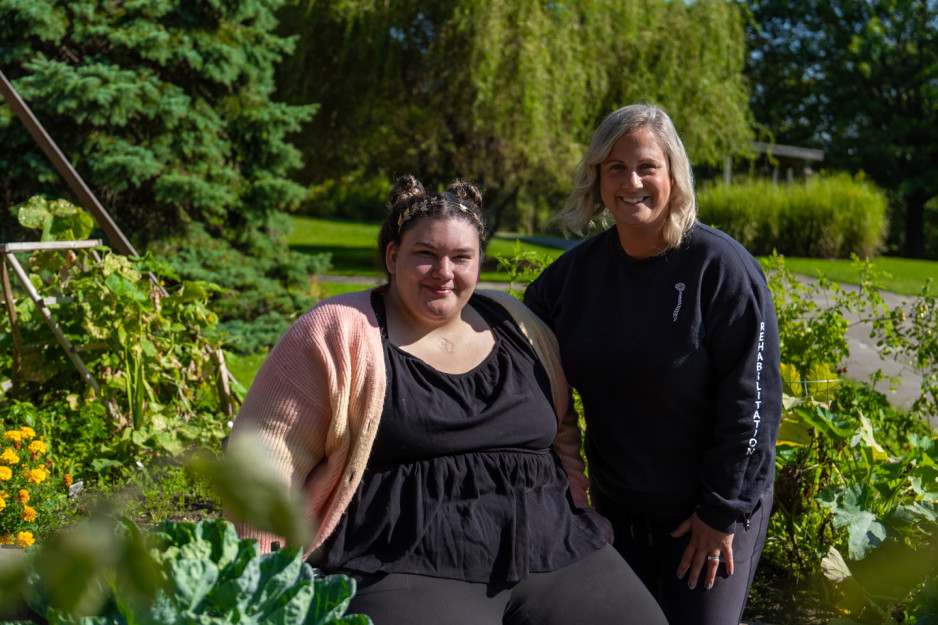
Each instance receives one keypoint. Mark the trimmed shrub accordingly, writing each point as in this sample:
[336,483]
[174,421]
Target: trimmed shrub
[826,217]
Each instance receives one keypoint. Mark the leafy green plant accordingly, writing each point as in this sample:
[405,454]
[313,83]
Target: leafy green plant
[810,333]
[181,573]
[154,354]
[522,266]
[857,481]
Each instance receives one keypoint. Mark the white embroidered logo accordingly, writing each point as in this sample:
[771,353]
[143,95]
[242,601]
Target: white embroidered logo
[680,293]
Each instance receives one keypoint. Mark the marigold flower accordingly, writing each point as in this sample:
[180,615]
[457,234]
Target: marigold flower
[23,496]
[9,456]
[36,476]
[24,539]
[6,539]
[36,448]
[14,436]
[6,473]
[67,479]
[3,504]
[27,432]
[28,514]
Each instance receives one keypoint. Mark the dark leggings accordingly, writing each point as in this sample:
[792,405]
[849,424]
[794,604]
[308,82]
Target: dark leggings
[600,588]
[647,545]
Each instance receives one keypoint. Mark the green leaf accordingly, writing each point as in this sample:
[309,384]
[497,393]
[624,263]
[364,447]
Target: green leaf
[192,580]
[333,593]
[849,506]
[33,213]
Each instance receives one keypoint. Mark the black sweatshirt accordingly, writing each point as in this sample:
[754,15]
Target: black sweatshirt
[676,358]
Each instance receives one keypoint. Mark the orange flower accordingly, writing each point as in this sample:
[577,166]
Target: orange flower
[6,539]
[24,539]
[67,479]
[28,514]
[23,496]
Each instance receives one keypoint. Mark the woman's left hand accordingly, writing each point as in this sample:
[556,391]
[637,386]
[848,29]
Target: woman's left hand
[707,548]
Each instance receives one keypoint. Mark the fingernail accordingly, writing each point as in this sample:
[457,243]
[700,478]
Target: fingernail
[680,575]
[709,585]
[691,585]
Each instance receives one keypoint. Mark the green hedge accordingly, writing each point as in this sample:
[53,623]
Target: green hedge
[825,217]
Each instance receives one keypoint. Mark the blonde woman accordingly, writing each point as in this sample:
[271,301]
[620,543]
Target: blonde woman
[667,330]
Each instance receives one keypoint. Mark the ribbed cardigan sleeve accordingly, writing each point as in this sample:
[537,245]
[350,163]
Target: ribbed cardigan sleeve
[314,407]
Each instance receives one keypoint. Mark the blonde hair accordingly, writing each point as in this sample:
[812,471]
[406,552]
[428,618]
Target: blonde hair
[584,206]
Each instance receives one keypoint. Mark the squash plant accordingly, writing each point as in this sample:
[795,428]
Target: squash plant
[153,352]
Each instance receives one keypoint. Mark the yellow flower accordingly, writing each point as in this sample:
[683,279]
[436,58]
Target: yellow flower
[14,436]
[23,496]
[28,514]
[6,539]
[24,539]
[9,456]
[36,476]
[6,473]
[67,479]
[36,448]
[27,432]
[3,504]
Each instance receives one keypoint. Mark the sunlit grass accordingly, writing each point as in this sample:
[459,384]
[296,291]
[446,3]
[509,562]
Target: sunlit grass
[353,246]
[905,276]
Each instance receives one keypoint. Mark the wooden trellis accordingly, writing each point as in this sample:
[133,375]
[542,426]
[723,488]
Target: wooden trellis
[114,235]
[8,262]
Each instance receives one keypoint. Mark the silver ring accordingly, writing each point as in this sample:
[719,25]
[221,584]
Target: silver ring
[712,558]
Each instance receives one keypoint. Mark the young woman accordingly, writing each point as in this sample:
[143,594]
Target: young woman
[667,330]
[430,429]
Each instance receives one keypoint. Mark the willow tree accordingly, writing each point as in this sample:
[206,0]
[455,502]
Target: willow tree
[507,92]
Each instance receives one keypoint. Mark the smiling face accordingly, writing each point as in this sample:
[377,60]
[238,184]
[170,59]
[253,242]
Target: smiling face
[434,269]
[635,184]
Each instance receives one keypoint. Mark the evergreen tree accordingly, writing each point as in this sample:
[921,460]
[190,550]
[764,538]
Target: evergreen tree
[163,106]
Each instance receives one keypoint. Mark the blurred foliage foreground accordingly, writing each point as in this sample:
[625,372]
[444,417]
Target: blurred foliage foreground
[854,527]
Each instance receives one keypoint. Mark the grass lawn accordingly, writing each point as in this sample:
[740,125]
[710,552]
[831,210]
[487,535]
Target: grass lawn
[905,276]
[352,245]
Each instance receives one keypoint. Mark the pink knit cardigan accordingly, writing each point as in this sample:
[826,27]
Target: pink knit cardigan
[316,402]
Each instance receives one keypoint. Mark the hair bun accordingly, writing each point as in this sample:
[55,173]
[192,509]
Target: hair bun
[405,191]
[467,192]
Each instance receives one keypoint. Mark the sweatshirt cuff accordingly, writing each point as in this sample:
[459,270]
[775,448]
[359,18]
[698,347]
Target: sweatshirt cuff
[718,518]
